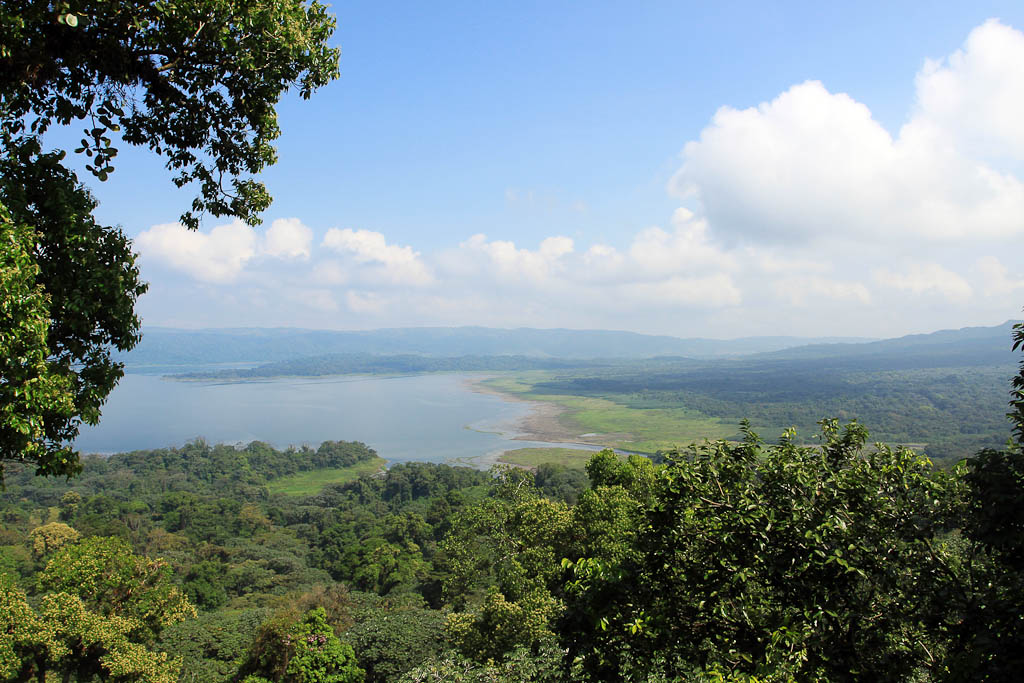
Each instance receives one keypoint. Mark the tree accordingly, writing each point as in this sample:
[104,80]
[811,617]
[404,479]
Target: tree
[776,561]
[194,82]
[300,651]
[1016,413]
[986,597]
[100,613]
[511,543]
[33,392]
[111,580]
[50,537]
[389,642]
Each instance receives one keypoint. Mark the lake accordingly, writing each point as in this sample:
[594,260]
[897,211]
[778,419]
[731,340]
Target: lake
[427,418]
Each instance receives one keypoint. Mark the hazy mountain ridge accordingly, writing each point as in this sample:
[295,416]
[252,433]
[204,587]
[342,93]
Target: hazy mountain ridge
[963,347]
[169,346]
[365,363]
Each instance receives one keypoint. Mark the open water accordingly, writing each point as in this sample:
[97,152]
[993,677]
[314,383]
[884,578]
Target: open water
[428,418]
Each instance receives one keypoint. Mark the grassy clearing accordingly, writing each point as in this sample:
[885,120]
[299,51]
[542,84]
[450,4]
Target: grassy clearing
[645,430]
[642,429]
[520,383]
[311,482]
[573,458]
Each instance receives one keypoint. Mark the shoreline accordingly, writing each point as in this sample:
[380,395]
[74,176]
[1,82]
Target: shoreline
[541,423]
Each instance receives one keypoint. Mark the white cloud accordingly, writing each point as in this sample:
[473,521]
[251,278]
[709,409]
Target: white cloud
[928,278]
[976,92]
[223,253]
[393,264]
[288,238]
[771,263]
[601,261]
[812,164]
[510,263]
[218,256]
[657,253]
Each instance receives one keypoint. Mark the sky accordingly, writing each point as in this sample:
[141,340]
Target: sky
[717,169]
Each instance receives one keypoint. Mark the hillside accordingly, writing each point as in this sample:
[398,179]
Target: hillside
[945,392]
[168,346]
[966,346]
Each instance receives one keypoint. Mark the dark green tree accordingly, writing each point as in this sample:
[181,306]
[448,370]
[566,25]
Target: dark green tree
[194,82]
[302,651]
[985,598]
[1016,413]
[390,642]
[33,393]
[776,561]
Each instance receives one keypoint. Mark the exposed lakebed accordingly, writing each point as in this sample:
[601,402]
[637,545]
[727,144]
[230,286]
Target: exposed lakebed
[426,418]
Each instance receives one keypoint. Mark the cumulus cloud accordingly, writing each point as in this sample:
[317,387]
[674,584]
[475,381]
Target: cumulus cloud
[602,261]
[657,252]
[515,264]
[220,255]
[389,262]
[217,256]
[975,94]
[812,164]
[288,238]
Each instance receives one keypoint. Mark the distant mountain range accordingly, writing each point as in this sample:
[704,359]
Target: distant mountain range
[402,364]
[179,347]
[186,349]
[947,348]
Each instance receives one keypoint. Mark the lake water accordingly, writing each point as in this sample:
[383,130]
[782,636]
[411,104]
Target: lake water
[428,418]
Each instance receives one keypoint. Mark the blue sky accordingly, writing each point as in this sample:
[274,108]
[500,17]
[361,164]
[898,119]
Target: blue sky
[698,169]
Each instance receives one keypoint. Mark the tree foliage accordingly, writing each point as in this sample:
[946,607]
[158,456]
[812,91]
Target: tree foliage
[300,651]
[99,612]
[111,580]
[194,82]
[770,560]
[34,394]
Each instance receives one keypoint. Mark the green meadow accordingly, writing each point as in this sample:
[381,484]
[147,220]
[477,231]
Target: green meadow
[313,481]
[613,424]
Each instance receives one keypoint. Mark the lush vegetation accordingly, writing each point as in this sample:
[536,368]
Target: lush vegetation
[197,84]
[256,565]
[733,559]
[949,412]
[729,560]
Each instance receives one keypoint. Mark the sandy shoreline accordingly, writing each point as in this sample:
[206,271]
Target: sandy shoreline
[542,423]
